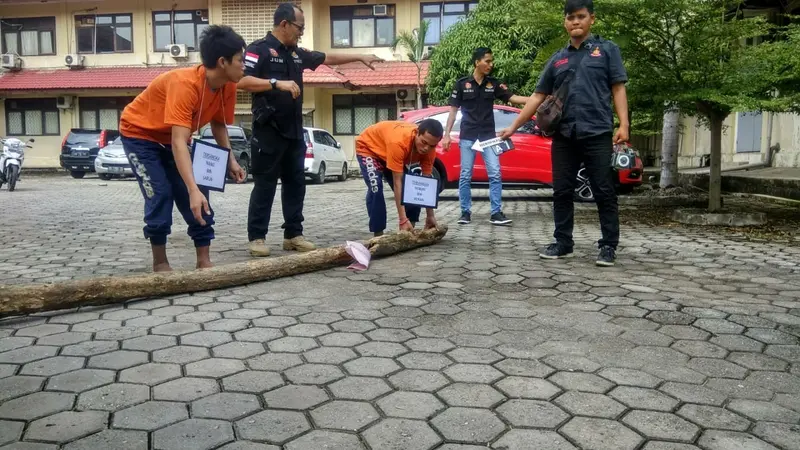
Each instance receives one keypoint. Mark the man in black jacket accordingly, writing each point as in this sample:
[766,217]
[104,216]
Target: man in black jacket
[584,134]
[274,74]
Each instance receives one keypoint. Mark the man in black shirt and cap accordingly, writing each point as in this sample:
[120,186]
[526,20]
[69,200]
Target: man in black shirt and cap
[274,74]
[594,72]
[475,95]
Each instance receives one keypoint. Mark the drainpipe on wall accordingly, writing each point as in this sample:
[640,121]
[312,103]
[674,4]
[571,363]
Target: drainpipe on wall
[768,161]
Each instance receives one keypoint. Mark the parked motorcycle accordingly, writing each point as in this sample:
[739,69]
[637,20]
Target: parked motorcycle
[11,161]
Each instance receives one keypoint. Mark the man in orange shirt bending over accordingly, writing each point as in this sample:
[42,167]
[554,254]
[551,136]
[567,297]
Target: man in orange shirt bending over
[386,149]
[157,126]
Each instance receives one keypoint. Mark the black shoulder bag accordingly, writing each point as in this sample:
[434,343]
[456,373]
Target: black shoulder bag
[550,112]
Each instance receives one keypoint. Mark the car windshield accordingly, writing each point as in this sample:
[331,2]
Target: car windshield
[233,132]
[82,137]
[442,118]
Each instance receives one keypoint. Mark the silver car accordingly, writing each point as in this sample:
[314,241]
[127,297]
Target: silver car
[324,156]
[111,161]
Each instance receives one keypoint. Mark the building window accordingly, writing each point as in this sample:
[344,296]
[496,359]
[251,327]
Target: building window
[29,37]
[443,16]
[111,33]
[362,26]
[352,114]
[102,113]
[178,27]
[32,117]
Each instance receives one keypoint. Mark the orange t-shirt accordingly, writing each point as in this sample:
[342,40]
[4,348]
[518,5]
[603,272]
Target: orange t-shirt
[392,142]
[174,98]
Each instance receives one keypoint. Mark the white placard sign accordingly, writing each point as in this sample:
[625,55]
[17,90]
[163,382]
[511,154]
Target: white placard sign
[497,145]
[420,191]
[210,164]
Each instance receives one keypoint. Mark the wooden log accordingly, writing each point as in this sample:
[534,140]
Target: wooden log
[23,299]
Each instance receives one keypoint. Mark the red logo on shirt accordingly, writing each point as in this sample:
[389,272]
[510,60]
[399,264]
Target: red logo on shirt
[273,52]
[561,62]
[468,85]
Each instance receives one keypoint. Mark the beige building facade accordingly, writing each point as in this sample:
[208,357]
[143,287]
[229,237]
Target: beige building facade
[76,64]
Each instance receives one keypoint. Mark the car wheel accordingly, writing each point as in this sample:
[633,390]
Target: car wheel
[320,178]
[77,174]
[343,176]
[105,176]
[583,189]
[438,176]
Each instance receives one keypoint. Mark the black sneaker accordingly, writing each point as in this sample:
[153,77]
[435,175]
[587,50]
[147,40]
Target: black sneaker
[465,218]
[499,219]
[606,257]
[556,251]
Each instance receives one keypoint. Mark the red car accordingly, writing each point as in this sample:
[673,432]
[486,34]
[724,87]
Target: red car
[528,165]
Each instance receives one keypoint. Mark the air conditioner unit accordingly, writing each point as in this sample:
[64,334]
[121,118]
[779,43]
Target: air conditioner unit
[11,61]
[64,102]
[74,60]
[177,50]
[401,94]
[379,10]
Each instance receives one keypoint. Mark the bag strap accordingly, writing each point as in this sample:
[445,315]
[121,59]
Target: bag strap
[565,84]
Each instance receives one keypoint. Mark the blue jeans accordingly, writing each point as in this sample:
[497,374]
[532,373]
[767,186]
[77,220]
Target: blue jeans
[492,163]
[161,186]
[374,173]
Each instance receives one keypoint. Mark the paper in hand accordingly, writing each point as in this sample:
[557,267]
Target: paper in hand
[497,145]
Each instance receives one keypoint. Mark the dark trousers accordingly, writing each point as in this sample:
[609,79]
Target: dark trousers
[374,172]
[595,153]
[161,185]
[275,156]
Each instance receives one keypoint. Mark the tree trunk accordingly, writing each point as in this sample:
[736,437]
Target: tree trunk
[715,175]
[419,87]
[669,147]
[30,298]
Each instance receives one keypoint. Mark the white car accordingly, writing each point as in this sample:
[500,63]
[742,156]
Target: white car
[111,161]
[324,156]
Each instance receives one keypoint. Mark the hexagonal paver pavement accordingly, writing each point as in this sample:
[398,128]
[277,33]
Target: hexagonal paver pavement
[602,434]
[410,405]
[530,439]
[692,341]
[66,426]
[469,425]
[227,406]
[532,413]
[401,434]
[117,439]
[275,427]
[325,439]
[345,415]
[150,415]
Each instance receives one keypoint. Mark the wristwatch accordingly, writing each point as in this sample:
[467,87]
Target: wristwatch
[273,82]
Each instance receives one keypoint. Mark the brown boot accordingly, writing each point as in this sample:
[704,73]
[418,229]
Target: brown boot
[298,243]
[258,248]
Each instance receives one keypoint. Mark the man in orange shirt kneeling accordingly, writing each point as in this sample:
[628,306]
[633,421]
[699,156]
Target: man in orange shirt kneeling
[157,126]
[386,150]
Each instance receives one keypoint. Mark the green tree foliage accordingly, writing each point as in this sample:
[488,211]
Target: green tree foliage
[414,43]
[694,54]
[499,25]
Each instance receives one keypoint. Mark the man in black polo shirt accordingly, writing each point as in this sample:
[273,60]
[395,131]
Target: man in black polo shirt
[274,74]
[585,131]
[475,95]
